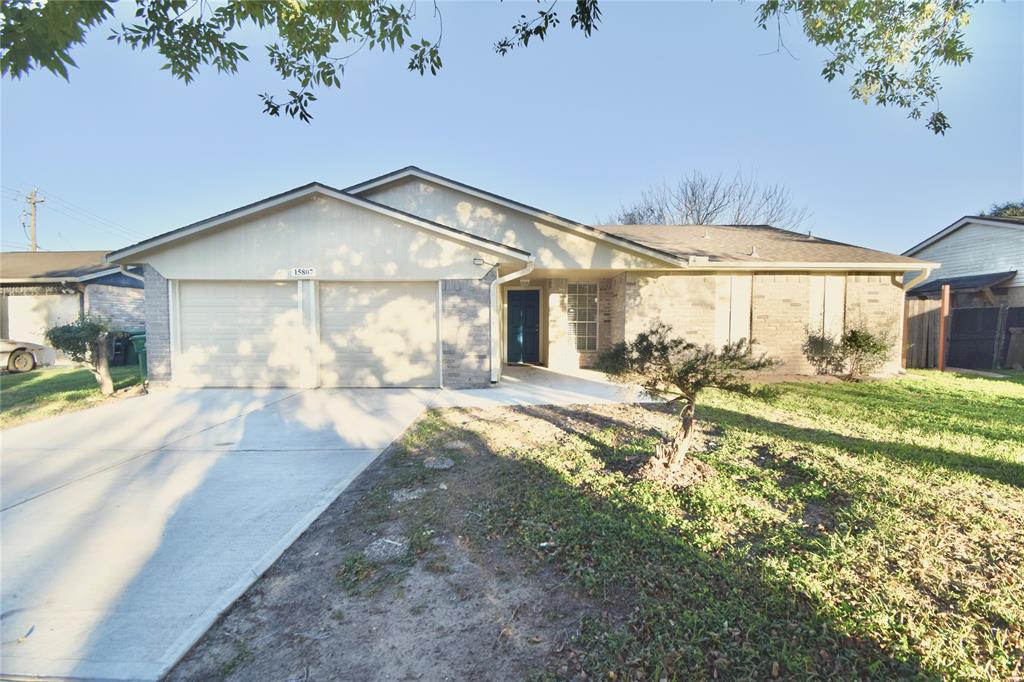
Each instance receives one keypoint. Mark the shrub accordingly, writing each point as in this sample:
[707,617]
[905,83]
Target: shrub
[824,352]
[855,353]
[864,351]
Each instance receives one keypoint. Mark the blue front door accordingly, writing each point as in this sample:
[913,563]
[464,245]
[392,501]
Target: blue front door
[524,326]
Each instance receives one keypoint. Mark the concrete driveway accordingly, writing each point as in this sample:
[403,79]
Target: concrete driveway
[128,528]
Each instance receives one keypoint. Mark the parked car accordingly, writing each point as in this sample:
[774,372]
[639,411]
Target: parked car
[22,356]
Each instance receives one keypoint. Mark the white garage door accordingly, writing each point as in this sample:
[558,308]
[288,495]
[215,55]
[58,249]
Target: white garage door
[379,334]
[239,334]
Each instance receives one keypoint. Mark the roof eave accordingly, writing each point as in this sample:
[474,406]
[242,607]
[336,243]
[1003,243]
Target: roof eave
[818,266]
[60,278]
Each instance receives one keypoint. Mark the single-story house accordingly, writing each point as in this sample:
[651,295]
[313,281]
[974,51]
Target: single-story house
[982,262]
[41,289]
[414,279]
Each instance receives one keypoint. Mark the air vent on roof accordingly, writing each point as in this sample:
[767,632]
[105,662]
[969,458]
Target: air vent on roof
[753,251]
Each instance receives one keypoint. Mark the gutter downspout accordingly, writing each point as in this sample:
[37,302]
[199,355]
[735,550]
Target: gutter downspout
[907,286]
[496,316]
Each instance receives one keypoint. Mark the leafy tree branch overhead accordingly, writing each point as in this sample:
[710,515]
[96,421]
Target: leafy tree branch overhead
[891,50]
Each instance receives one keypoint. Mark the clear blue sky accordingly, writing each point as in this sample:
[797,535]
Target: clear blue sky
[575,126]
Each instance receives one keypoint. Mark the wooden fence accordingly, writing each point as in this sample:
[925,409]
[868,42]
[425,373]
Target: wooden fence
[976,337]
[921,348]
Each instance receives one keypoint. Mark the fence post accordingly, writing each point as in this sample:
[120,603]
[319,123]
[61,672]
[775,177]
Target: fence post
[943,327]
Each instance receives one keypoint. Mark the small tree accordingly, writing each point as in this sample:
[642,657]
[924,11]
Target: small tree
[86,340]
[679,370]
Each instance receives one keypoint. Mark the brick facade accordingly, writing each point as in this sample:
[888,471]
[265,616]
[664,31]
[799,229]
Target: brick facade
[158,326]
[775,309]
[125,307]
[780,314]
[876,301]
[465,333]
[686,302]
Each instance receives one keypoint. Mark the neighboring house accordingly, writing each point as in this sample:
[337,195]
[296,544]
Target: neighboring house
[982,261]
[413,279]
[41,289]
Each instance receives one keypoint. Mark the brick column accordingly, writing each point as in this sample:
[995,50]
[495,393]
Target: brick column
[466,333]
[158,326]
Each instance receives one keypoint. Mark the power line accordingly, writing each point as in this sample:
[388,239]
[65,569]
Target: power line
[94,216]
[95,225]
[69,209]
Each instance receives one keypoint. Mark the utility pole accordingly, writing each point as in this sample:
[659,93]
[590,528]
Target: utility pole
[33,198]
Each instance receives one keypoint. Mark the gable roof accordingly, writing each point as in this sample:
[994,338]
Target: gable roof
[760,247]
[308,190]
[540,214]
[53,266]
[965,284]
[995,221]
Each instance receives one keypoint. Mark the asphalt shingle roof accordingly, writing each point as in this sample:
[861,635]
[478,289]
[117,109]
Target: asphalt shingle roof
[750,244]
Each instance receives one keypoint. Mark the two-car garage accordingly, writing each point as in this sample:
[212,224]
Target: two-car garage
[318,288]
[370,334]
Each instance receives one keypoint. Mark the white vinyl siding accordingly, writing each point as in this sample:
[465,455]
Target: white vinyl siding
[238,334]
[583,315]
[379,334]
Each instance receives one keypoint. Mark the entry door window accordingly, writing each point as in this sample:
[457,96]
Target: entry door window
[583,315]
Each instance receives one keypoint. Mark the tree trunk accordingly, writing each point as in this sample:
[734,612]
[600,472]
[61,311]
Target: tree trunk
[672,452]
[101,365]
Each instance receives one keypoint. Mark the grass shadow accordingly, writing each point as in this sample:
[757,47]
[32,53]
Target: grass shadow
[699,608]
[1001,471]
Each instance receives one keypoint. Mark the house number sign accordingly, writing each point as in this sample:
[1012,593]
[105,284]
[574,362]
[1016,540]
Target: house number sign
[302,273]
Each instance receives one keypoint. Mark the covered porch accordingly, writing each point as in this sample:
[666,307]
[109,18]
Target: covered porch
[561,320]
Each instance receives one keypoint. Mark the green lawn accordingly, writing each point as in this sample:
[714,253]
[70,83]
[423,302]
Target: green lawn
[852,530]
[46,392]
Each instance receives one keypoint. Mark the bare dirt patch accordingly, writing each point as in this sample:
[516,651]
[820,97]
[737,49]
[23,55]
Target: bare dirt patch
[459,604]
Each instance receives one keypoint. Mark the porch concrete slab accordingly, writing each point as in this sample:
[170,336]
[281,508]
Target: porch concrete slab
[532,385]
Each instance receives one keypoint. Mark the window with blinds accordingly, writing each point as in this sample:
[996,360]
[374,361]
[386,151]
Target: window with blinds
[583,315]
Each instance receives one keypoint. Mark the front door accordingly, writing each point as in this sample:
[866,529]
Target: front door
[524,327]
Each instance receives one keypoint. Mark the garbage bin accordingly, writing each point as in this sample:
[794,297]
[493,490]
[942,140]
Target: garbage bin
[139,344]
